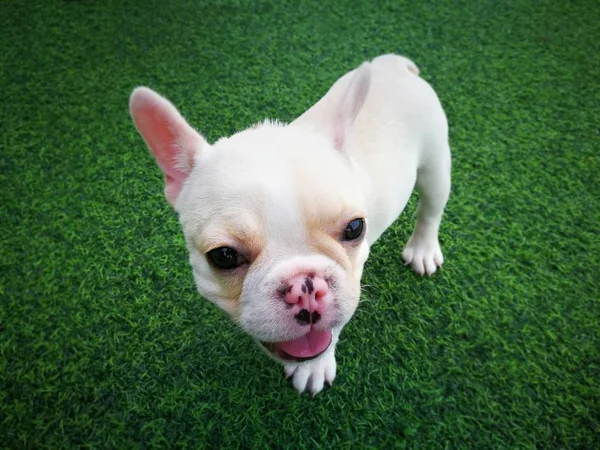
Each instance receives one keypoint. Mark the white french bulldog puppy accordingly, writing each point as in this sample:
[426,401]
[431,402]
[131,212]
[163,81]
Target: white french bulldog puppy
[278,219]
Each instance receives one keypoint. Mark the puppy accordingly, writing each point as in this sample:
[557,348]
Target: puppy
[278,219]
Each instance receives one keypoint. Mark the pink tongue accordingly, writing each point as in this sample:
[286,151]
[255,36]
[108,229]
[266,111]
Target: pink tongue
[310,344]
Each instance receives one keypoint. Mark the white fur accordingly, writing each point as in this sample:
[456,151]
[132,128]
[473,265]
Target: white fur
[358,152]
[399,136]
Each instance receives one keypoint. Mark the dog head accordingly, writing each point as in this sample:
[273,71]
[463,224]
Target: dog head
[274,218]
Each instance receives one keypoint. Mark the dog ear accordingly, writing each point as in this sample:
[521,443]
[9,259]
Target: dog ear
[335,113]
[171,140]
[350,105]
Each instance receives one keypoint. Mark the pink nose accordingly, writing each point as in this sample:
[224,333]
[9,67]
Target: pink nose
[308,295]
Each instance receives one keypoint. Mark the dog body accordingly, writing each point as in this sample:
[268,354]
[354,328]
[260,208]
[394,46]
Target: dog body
[278,219]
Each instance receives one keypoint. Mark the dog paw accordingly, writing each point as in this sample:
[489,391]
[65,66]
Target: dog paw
[311,376]
[423,254]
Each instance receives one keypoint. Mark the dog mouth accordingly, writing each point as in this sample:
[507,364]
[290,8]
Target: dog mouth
[304,348]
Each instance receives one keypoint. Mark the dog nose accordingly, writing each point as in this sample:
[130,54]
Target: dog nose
[309,294]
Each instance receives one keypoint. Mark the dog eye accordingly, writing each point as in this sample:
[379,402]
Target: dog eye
[354,229]
[225,258]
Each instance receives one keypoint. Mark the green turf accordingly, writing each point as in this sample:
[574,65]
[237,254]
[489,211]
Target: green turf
[104,342]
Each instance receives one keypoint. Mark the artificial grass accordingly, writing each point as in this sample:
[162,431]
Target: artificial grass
[104,342]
